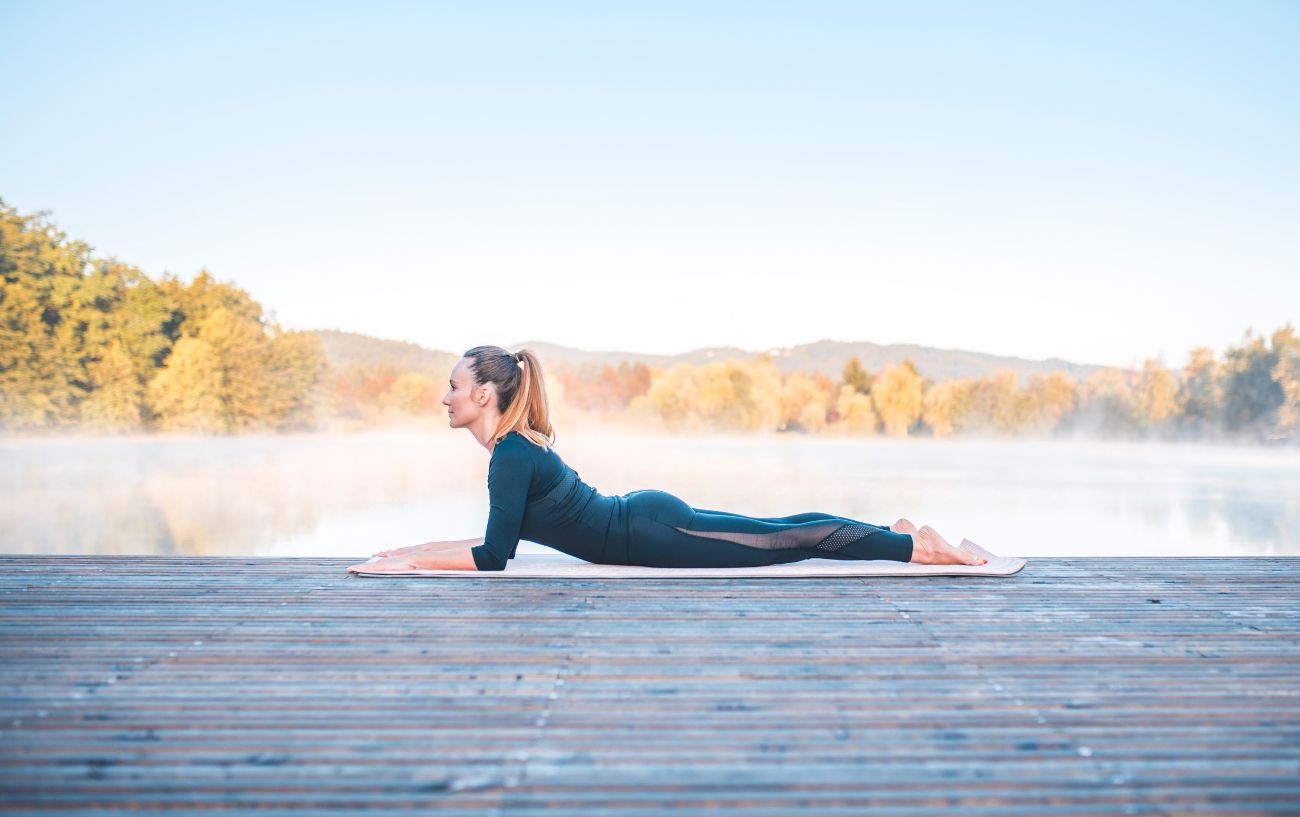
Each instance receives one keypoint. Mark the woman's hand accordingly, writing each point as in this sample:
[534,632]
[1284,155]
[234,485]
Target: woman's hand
[390,564]
[401,551]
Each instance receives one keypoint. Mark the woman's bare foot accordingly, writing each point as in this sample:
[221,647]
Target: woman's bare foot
[903,526]
[929,548]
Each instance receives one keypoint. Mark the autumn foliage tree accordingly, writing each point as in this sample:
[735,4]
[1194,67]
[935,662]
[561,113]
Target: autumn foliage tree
[95,343]
[898,396]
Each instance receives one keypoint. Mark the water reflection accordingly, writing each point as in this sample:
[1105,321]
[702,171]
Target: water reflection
[351,495]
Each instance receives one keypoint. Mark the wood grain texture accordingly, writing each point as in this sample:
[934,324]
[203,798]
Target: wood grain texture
[286,686]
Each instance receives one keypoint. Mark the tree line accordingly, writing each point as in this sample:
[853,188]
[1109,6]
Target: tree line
[96,344]
[1251,393]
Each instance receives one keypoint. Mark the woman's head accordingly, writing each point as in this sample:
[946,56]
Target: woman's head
[501,391]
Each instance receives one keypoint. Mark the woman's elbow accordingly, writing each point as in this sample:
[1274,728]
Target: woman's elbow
[486,561]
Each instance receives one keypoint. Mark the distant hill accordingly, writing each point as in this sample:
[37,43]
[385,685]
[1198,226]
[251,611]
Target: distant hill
[829,358]
[346,349]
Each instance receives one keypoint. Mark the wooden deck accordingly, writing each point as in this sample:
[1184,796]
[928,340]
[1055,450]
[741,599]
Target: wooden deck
[1078,686]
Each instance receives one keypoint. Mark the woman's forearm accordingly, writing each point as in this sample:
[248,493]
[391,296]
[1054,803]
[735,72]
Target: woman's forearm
[459,543]
[453,558]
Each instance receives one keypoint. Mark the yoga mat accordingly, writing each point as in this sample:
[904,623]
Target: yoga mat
[563,566]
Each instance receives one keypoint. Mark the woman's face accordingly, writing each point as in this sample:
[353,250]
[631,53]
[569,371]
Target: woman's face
[462,407]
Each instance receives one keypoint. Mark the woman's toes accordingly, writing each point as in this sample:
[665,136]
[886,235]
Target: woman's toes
[969,558]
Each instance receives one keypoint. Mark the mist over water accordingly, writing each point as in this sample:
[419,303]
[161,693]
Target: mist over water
[350,495]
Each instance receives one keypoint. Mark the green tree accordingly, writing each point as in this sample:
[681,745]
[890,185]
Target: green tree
[1287,375]
[196,301]
[856,377]
[116,401]
[1251,397]
[187,394]
[297,379]
[42,380]
[138,320]
[241,348]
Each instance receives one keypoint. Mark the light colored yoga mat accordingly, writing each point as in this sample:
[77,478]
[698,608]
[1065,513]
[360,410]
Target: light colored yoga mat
[563,566]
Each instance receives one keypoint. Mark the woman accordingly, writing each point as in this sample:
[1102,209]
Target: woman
[501,398]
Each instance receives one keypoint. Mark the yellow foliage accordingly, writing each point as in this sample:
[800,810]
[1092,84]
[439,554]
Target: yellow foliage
[1200,392]
[117,396]
[855,410]
[232,376]
[945,406]
[727,395]
[1049,399]
[411,392]
[186,393]
[997,403]
[295,384]
[898,398]
[1156,398]
[803,403]
[241,348]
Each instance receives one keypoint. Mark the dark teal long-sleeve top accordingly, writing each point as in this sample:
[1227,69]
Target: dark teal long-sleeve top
[533,494]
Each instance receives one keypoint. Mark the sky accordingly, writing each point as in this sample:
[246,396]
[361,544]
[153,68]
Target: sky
[1104,182]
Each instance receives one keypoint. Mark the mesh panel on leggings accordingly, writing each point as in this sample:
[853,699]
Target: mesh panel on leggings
[792,537]
[844,535]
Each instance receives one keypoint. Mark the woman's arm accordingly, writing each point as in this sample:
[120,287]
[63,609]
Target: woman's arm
[429,556]
[510,474]
[432,546]
[454,558]
[459,543]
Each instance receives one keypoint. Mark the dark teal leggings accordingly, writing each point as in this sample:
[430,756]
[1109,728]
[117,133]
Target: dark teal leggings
[663,531]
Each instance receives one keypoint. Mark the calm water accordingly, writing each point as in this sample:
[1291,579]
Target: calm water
[351,495]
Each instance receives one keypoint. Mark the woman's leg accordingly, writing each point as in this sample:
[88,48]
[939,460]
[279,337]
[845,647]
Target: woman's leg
[666,532]
[812,516]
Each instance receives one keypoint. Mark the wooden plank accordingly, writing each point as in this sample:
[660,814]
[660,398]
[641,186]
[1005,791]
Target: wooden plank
[1078,686]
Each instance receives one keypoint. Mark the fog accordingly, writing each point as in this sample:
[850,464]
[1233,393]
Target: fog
[350,495]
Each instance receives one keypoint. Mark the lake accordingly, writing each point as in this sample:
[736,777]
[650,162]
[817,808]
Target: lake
[350,495]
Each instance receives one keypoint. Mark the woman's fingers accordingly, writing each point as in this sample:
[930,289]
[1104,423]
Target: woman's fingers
[383,565]
[398,551]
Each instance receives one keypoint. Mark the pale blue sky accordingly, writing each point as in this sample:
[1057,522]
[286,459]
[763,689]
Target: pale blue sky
[1098,181]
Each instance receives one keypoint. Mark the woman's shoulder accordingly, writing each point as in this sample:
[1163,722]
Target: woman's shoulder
[515,442]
